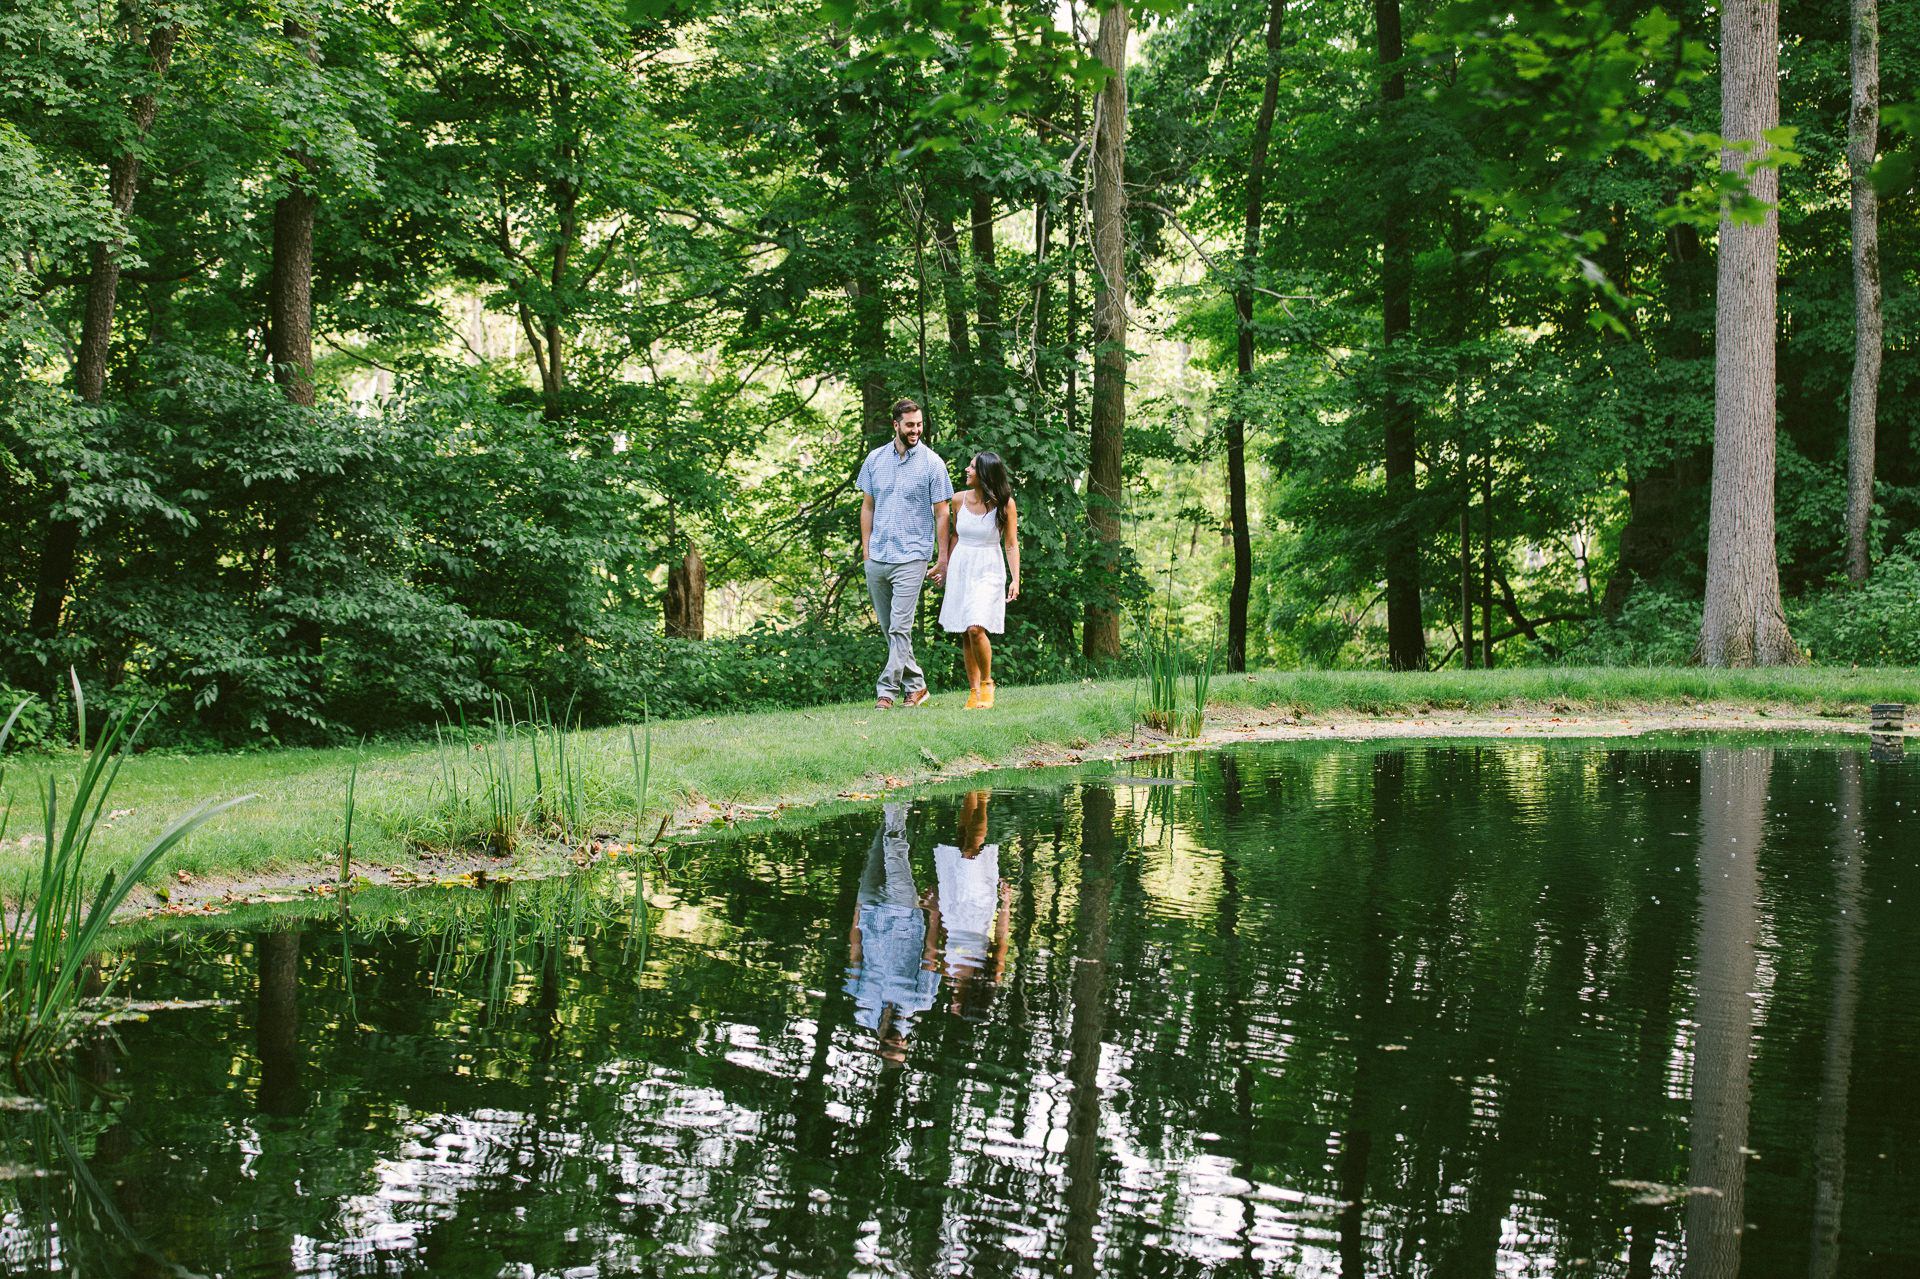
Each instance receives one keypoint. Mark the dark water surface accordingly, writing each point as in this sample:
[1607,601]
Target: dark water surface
[1421,1010]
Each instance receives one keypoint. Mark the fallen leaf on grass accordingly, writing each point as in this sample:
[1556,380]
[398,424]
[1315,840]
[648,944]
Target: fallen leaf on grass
[857,795]
[183,876]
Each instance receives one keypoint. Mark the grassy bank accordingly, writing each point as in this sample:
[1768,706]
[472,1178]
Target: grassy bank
[401,794]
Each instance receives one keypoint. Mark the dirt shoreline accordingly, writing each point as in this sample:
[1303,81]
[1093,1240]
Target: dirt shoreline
[211,895]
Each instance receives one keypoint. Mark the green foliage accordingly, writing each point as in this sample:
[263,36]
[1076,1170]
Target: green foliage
[1874,624]
[1654,628]
[599,282]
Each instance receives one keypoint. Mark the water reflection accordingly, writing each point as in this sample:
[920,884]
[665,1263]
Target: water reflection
[972,912]
[1830,1126]
[1733,808]
[1403,1011]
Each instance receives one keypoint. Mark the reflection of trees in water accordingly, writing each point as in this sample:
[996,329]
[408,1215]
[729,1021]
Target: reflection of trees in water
[1733,810]
[1830,1125]
[277,1020]
[1372,973]
[1441,978]
[1087,1030]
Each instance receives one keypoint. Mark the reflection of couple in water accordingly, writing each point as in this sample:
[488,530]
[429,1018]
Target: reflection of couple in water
[903,940]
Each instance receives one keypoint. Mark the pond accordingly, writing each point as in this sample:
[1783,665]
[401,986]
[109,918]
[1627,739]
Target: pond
[1394,1009]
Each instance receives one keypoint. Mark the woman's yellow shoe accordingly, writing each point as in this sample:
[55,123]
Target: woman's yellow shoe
[986,695]
[973,700]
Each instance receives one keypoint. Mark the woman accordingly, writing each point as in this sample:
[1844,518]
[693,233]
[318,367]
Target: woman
[978,585]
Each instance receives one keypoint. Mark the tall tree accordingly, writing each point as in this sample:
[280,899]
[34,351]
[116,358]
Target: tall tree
[1744,623]
[290,288]
[1863,141]
[290,335]
[1406,631]
[103,283]
[1100,639]
[1242,589]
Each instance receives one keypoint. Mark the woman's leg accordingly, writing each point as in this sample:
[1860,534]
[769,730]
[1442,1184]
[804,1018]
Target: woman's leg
[983,663]
[973,666]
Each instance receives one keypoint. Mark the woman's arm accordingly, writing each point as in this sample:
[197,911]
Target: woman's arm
[1012,540]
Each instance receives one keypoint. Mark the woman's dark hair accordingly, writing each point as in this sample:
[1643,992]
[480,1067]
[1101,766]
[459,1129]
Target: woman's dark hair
[994,484]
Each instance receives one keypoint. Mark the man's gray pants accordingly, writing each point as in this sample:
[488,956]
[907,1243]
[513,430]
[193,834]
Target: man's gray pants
[895,589]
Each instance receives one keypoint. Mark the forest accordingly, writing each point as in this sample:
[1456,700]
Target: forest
[364,362]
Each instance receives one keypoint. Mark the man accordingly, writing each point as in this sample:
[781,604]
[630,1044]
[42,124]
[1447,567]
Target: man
[893,971]
[904,490]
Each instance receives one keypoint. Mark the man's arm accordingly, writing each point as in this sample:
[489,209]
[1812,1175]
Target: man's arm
[942,534]
[866,526]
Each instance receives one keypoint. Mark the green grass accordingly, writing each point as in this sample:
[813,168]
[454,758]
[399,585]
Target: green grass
[400,801]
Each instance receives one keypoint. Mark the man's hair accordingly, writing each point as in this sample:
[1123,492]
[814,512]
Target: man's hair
[903,407]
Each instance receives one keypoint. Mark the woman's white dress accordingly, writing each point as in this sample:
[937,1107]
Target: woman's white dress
[976,576]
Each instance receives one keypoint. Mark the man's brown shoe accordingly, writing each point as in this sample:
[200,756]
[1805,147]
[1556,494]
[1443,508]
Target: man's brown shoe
[916,697]
[883,704]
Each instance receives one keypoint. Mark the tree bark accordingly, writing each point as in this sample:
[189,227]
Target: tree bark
[1733,811]
[55,578]
[1486,557]
[1100,640]
[1466,555]
[1663,500]
[290,287]
[1406,630]
[686,604]
[991,374]
[869,301]
[1241,591]
[959,340]
[290,347]
[1863,141]
[1743,623]
[1071,343]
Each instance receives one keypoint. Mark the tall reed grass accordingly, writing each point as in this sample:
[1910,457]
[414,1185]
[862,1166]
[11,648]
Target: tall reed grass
[47,949]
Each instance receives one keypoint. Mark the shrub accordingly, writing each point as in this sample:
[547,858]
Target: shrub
[1656,627]
[33,726]
[1876,623]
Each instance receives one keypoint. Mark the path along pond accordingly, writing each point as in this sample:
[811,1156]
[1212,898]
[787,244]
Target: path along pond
[1392,1009]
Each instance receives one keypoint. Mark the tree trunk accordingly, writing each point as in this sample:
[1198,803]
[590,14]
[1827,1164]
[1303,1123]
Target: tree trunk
[1743,623]
[959,341]
[1071,344]
[1466,555]
[686,604]
[1406,631]
[1101,638]
[991,374]
[1663,500]
[1486,557]
[290,346]
[870,325]
[290,288]
[1242,590]
[1733,811]
[290,292]
[1660,503]
[1863,140]
[55,577]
